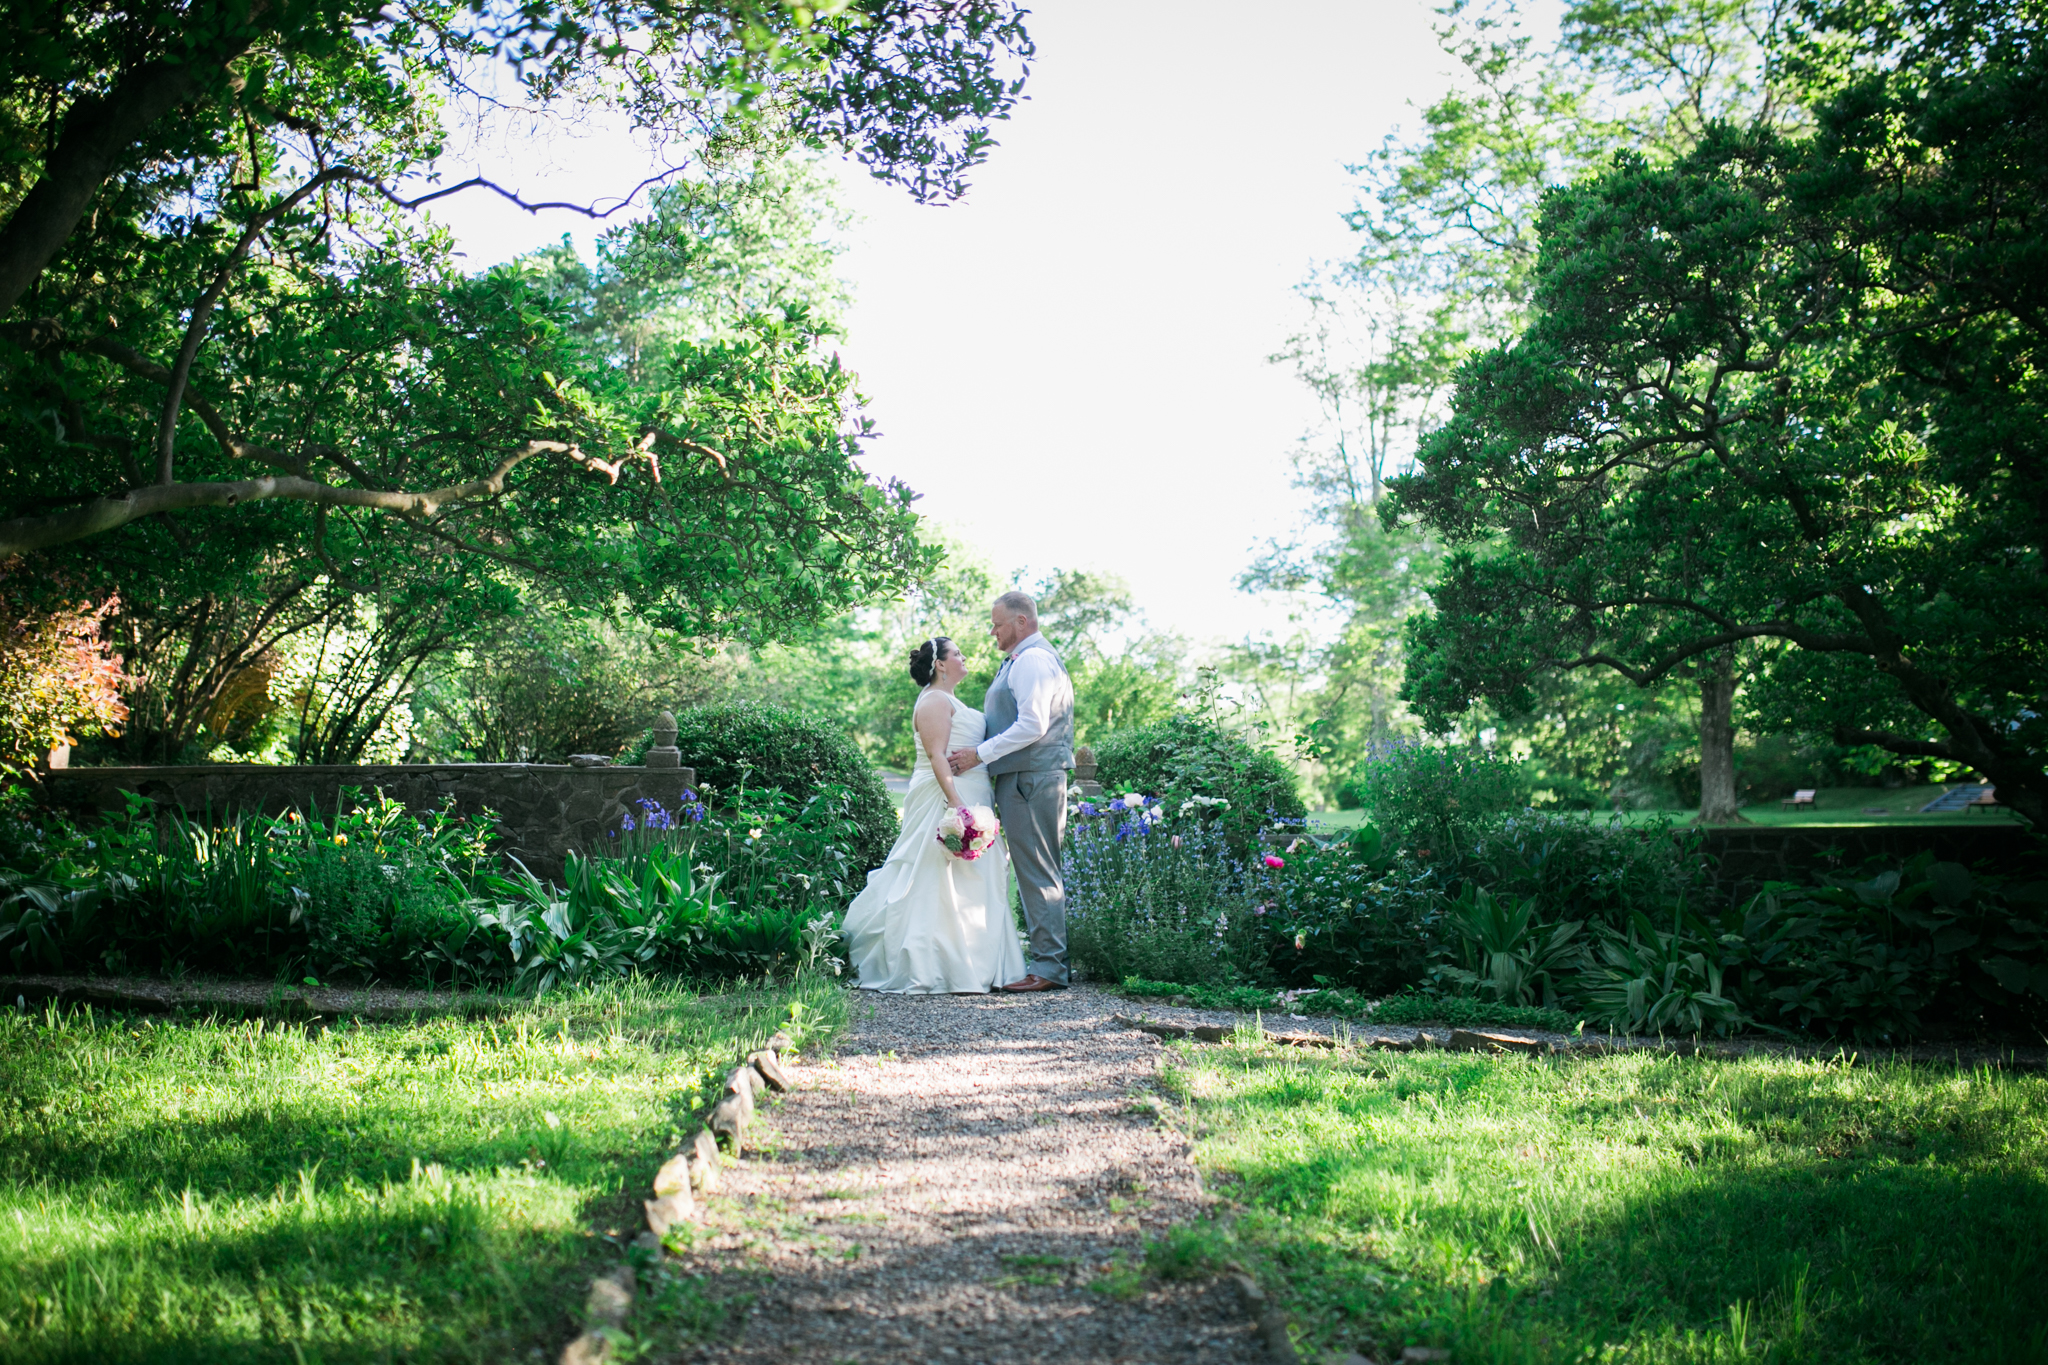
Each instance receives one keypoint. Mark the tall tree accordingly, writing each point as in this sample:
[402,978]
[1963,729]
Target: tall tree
[250,388]
[1781,394]
[1446,223]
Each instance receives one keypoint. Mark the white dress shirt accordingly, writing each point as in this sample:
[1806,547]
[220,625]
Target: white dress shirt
[1037,682]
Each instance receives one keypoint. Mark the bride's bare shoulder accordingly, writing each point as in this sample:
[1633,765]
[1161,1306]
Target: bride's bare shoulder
[930,703]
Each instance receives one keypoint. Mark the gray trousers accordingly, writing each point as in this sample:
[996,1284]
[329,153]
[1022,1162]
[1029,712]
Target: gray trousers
[1033,809]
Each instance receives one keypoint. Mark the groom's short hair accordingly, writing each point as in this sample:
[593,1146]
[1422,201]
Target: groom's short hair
[1019,604]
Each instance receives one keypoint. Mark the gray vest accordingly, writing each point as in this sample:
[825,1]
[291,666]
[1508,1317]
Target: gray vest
[1054,750]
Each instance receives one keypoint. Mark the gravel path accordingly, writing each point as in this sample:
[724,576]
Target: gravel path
[969,1179]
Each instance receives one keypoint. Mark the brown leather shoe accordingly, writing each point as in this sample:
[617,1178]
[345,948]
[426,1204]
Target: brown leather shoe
[1033,983]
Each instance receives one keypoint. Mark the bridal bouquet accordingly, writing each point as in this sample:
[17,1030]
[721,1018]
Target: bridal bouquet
[967,831]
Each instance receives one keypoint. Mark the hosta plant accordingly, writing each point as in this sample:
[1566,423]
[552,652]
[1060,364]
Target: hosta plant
[1509,955]
[1650,981]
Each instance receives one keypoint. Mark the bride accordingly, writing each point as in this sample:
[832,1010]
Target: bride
[930,923]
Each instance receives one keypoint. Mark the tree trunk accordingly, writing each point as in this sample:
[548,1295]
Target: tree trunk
[97,135]
[1717,746]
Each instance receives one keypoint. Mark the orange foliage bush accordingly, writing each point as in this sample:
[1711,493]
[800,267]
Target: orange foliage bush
[58,678]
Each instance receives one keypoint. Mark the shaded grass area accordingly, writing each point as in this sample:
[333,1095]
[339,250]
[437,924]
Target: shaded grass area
[431,1191]
[1635,1208]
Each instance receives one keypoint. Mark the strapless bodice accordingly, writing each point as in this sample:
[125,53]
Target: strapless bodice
[970,727]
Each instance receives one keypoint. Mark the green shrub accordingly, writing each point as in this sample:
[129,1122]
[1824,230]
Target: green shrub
[1584,867]
[1651,981]
[368,911]
[1885,955]
[1186,756]
[1438,800]
[752,745]
[1509,954]
[377,893]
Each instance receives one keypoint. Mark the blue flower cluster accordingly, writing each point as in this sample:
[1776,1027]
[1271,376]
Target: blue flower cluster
[1134,815]
[655,817]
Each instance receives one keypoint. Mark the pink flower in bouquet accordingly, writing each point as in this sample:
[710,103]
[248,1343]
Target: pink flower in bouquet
[1275,863]
[967,831]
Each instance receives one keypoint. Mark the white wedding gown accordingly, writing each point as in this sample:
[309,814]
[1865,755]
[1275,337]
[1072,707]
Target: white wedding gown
[930,923]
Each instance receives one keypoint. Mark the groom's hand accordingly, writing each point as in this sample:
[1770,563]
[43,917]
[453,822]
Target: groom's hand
[963,759]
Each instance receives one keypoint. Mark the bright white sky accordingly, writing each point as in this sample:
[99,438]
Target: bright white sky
[1070,364]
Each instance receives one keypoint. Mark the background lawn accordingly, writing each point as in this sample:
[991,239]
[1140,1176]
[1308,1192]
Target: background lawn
[440,1190]
[1637,1208]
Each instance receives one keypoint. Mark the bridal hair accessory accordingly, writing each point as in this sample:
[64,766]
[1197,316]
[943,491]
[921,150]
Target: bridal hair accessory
[967,831]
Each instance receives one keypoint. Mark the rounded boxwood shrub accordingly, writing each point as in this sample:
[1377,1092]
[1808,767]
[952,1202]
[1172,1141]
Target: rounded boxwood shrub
[1186,756]
[769,746]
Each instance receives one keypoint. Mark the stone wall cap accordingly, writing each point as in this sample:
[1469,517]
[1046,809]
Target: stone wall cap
[202,769]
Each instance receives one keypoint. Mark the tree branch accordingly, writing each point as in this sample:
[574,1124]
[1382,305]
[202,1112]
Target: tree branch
[132,360]
[23,534]
[202,313]
[97,134]
[1898,744]
[482,182]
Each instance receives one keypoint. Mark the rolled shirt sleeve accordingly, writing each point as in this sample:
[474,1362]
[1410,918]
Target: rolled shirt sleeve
[1034,681]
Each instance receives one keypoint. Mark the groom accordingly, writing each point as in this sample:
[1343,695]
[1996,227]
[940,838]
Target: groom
[1030,746]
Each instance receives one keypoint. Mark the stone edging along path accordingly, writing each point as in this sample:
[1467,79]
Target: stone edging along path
[1329,1033]
[682,1177]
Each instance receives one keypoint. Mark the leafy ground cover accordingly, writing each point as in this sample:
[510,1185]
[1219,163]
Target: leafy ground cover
[376,893]
[1635,1208]
[177,1190]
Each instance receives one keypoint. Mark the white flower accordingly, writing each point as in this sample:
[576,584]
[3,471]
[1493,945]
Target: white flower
[1132,800]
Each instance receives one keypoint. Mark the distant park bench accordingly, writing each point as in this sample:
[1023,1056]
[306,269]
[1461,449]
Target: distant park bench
[1803,797]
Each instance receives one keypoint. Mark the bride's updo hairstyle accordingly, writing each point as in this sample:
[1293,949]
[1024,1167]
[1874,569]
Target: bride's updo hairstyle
[924,660]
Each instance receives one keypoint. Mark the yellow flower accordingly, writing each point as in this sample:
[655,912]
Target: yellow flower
[341,841]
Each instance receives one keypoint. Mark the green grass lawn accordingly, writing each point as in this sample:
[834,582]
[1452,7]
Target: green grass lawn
[434,1191]
[1635,1208]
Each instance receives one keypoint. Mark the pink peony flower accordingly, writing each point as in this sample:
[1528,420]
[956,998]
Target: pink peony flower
[1275,863]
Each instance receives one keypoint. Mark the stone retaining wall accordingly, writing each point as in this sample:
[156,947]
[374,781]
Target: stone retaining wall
[543,809]
[1744,857]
